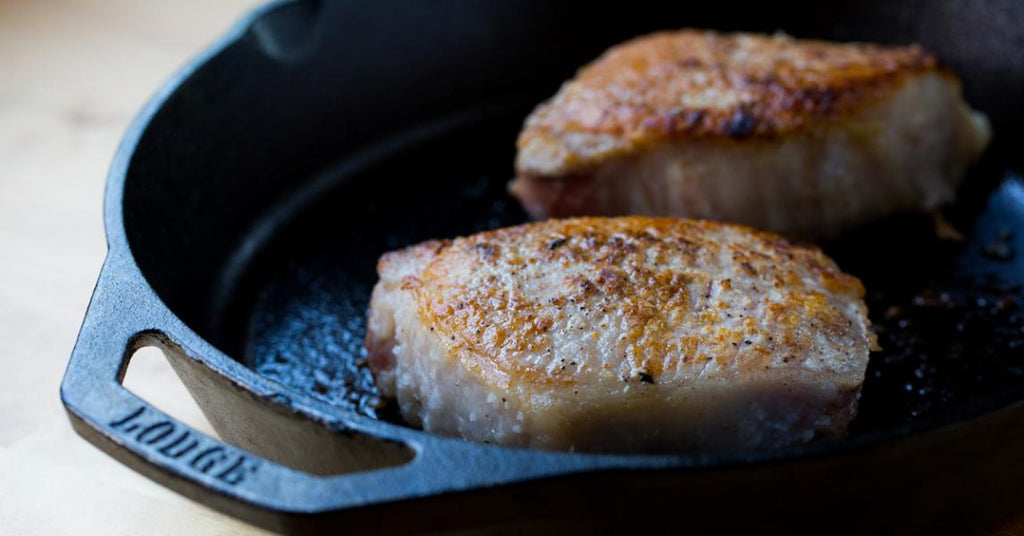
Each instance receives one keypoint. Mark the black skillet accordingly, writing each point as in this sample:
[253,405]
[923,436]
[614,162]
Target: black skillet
[248,203]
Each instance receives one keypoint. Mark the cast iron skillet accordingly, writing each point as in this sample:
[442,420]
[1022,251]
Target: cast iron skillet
[248,203]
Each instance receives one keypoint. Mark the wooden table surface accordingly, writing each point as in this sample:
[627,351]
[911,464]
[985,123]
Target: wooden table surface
[72,75]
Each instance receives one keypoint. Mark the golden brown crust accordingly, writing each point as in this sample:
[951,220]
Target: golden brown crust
[663,292]
[702,84]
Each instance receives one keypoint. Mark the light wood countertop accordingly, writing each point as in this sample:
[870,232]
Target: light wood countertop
[73,73]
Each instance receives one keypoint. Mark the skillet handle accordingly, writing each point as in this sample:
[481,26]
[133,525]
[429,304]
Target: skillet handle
[124,315]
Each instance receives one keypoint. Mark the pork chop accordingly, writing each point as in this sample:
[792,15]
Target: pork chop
[802,137]
[620,334]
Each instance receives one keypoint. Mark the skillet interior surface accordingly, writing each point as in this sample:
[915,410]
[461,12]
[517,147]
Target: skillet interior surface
[267,185]
[947,312]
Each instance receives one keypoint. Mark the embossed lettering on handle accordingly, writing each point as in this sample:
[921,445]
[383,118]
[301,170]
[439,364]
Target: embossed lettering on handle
[170,440]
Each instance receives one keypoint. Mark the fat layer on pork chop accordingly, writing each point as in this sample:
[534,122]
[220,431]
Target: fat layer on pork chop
[620,334]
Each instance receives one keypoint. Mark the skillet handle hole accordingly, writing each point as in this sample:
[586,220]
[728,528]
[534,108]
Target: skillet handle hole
[149,376]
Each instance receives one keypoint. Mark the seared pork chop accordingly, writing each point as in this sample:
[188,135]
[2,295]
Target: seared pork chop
[620,334]
[801,137]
